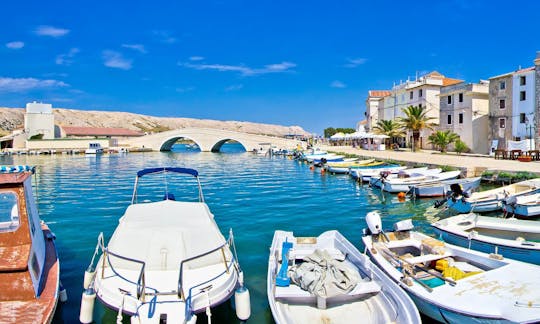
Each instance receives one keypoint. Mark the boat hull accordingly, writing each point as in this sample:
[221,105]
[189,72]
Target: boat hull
[440,189]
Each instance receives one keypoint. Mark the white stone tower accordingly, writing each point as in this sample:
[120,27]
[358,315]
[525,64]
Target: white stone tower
[39,119]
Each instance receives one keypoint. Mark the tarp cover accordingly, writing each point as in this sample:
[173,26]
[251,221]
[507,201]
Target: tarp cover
[324,276]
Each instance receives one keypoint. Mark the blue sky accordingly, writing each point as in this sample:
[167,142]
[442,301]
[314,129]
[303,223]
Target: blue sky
[307,63]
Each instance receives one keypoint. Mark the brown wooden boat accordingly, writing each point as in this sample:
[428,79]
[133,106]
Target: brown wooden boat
[29,266]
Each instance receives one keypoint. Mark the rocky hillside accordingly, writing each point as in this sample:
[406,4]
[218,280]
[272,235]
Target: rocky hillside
[13,118]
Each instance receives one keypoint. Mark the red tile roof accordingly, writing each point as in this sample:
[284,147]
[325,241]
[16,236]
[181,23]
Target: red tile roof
[449,81]
[99,131]
[379,93]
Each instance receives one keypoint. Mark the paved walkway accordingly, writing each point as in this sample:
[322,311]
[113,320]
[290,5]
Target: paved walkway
[464,161]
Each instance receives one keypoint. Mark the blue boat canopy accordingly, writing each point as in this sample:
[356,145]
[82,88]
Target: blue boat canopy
[193,172]
[18,168]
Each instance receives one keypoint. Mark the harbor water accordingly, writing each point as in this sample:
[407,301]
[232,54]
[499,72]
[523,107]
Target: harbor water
[80,196]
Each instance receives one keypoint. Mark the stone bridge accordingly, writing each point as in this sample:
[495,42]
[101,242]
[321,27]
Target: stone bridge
[209,139]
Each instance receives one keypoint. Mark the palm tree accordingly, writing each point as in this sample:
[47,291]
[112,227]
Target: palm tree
[416,120]
[442,139]
[389,128]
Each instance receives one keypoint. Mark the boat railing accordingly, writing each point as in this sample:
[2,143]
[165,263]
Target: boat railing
[141,281]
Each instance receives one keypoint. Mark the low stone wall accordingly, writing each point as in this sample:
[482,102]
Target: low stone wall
[64,144]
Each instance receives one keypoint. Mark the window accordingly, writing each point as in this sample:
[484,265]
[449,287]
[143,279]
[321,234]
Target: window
[502,85]
[522,118]
[461,118]
[522,96]
[522,80]
[420,93]
[461,97]
[449,100]
[502,123]
[449,119]
[9,212]
[419,105]
[502,103]
[411,95]
[517,138]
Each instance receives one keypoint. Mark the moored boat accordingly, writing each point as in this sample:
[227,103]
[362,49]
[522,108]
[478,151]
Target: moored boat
[370,166]
[378,182]
[29,266]
[452,284]
[523,206]
[395,185]
[441,188]
[166,261]
[350,288]
[510,237]
[490,200]
[352,163]
[94,148]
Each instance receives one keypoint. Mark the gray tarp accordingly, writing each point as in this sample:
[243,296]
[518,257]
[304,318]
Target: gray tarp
[324,276]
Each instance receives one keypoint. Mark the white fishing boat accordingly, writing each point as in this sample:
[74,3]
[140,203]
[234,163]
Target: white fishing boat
[510,237]
[490,200]
[29,266]
[365,175]
[350,163]
[452,284]
[345,287]
[523,206]
[378,182]
[166,260]
[440,189]
[345,170]
[395,185]
[94,148]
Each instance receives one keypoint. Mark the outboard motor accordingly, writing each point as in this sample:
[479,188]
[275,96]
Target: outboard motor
[373,220]
[457,189]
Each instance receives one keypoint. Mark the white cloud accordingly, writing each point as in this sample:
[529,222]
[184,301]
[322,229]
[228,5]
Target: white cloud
[51,31]
[115,60]
[15,45]
[184,90]
[164,36]
[242,69]
[67,59]
[338,84]
[234,87]
[352,63]
[196,58]
[26,84]
[136,47]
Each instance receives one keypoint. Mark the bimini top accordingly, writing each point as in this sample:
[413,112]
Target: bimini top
[169,169]
[16,168]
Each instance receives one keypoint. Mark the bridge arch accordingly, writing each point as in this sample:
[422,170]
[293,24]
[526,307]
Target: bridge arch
[216,147]
[168,143]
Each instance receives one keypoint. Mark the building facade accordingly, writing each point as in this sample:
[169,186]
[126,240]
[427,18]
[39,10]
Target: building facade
[464,110]
[500,110]
[374,106]
[39,120]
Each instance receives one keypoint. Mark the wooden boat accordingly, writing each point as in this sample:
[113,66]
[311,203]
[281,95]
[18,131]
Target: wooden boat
[441,188]
[523,206]
[352,163]
[395,185]
[365,175]
[510,237]
[452,284]
[491,200]
[346,170]
[29,266]
[166,261]
[378,182]
[361,292]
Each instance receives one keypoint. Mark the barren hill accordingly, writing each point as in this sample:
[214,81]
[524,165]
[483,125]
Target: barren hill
[13,118]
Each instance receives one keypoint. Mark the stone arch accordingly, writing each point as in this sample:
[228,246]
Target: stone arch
[217,146]
[168,143]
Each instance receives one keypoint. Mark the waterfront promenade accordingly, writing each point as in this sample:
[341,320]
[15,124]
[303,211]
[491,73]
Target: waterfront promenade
[464,161]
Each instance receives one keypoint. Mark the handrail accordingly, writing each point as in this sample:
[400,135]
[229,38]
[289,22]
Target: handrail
[193,172]
[141,282]
[181,272]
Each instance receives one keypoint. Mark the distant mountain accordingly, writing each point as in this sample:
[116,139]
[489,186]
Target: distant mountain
[13,118]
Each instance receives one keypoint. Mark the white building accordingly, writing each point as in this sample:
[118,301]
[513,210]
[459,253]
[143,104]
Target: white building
[374,106]
[523,101]
[39,120]
[464,110]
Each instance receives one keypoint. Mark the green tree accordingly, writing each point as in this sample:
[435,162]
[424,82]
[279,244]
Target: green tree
[389,128]
[345,130]
[329,132]
[460,147]
[416,120]
[442,139]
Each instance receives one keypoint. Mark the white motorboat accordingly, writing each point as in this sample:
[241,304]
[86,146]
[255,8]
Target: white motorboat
[166,260]
[490,200]
[345,287]
[510,237]
[395,185]
[365,175]
[94,148]
[452,284]
[523,206]
[440,189]
[378,182]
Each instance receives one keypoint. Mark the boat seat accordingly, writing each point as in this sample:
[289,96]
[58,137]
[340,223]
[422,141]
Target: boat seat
[427,258]
[14,258]
[297,294]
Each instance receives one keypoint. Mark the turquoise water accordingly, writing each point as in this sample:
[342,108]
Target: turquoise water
[80,196]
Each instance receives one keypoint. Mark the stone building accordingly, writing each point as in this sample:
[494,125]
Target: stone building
[464,110]
[500,110]
[374,106]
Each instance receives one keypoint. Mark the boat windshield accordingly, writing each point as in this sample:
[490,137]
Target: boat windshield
[9,212]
